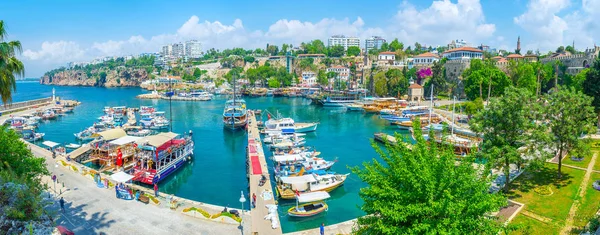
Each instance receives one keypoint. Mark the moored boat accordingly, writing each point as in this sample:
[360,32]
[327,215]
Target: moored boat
[313,204]
[160,156]
[288,187]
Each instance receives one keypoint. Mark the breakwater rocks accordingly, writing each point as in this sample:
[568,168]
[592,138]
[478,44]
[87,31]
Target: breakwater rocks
[119,77]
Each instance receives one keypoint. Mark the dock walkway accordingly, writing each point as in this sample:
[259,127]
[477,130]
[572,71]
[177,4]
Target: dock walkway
[257,167]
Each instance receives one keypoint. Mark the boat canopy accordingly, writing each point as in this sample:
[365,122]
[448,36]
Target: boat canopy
[305,179]
[125,140]
[313,196]
[50,144]
[288,158]
[160,139]
[121,177]
[111,134]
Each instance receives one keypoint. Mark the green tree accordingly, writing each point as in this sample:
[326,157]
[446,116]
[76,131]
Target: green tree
[482,79]
[560,49]
[570,49]
[10,66]
[385,46]
[438,78]
[306,63]
[424,190]
[336,51]
[569,114]
[472,107]
[577,81]
[274,83]
[249,59]
[396,45]
[591,86]
[19,166]
[507,124]
[397,83]
[272,50]
[381,86]
[322,78]
[353,51]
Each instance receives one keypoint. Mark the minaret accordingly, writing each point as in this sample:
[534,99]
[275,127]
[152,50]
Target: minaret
[519,44]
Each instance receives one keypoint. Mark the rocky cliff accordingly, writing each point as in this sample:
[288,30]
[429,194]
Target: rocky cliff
[118,77]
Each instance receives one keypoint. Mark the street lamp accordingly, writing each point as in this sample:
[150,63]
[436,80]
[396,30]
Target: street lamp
[242,200]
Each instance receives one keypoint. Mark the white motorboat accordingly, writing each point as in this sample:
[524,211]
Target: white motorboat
[72,146]
[282,124]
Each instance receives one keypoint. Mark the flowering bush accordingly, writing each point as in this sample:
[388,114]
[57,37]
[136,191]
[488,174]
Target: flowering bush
[422,74]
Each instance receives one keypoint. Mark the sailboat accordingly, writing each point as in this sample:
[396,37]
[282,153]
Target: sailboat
[235,113]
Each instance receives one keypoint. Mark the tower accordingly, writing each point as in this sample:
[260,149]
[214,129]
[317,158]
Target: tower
[518,51]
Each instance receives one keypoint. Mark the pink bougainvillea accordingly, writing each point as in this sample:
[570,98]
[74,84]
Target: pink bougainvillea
[422,74]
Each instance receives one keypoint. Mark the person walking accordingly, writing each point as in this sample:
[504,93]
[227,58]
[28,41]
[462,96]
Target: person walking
[322,228]
[253,200]
[155,190]
[62,204]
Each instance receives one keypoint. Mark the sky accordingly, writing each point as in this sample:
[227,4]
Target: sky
[54,33]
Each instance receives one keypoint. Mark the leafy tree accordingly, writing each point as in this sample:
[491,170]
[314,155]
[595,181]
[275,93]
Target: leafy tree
[18,165]
[397,83]
[327,61]
[591,86]
[438,78]
[272,50]
[385,46]
[101,79]
[507,124]
[322,78]
[336,51]
[10,66]
[353,51]
[381,86]
[577,81]
[423,190]
[274,83]
[396,45]
[472,107]
[569,114]
[306,63]
[482,79]
[249,59]
[560,49]
[523,75]
[570,49]
[529,52]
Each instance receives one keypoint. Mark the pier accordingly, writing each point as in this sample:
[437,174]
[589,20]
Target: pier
[257,167]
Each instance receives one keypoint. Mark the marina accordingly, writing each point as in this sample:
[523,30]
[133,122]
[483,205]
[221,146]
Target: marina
[336,137]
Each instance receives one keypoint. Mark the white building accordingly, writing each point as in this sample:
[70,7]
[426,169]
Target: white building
[309,78]
[425,59]
[167,50]
[374,42]
[463,53]
[193,49]
[387,55]
[341,40]
[342,73]
[178,50]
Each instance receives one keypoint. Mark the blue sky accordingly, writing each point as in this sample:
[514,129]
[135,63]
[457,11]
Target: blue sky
[56,32]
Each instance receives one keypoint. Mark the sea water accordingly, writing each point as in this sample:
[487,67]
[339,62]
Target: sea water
[217,173]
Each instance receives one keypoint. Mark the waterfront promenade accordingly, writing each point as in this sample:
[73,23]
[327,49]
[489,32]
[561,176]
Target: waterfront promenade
[93,210]
[257,166]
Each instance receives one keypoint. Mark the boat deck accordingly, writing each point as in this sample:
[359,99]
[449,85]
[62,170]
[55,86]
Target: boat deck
[257,166]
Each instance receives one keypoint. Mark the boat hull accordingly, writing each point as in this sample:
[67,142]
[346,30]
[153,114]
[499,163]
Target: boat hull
[309,127]
[290,195]
[322,207]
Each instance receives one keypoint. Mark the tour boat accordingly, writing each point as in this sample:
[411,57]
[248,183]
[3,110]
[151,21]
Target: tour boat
[202,96]
[281,124]
[160,156]
[313,204]
[338,101]
[287,187]
[235,114]
[146,109]
[72,146]
[307,160]
[31,136]
[48,115]
[356,106]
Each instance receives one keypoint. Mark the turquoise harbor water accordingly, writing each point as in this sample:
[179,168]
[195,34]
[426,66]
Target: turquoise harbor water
[217,173]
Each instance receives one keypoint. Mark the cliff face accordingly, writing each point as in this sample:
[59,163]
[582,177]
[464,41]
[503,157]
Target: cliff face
[101,78]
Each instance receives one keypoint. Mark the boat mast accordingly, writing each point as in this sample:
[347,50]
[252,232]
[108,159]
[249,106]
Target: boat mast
[431,105]
[453,107]
[234,109]
[170,108]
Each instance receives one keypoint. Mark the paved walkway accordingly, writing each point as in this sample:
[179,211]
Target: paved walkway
[334,229]
[92,210]
[582,190]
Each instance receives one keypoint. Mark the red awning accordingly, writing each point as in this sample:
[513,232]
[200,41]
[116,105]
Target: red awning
[169,144]
[250,141]
[256,169]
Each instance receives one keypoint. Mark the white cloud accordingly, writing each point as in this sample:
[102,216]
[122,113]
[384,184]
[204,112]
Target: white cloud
[295,31]
[441,22]
[542,22]
[60,51]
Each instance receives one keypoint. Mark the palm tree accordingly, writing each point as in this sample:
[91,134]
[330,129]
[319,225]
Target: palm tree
[10,66]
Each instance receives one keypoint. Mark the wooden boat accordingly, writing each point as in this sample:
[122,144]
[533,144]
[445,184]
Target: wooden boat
[379,104]
[288,187]
[313,204]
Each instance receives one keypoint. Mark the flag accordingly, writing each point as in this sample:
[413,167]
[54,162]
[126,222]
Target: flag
[119,157]
[297,193]
[268,116]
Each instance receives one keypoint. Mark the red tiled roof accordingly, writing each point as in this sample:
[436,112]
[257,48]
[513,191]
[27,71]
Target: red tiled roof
[387,53]
[427,54]
[470,49]
[501,60]
[415,85]
[337,67]
[514,56]
[497,57]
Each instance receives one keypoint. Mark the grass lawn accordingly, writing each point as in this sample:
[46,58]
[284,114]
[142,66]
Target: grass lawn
[528,225]
[589,205]
[583,164]
[554,206]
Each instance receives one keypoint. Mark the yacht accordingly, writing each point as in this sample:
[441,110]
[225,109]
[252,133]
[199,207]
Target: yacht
[235,114]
